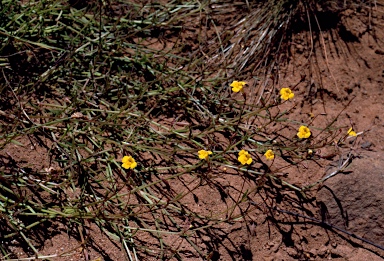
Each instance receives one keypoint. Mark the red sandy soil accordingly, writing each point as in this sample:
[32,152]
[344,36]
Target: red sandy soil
[342,74]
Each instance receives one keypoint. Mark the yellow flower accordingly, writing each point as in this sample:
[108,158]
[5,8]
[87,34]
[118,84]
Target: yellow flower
[244,157]
[204,154]
[304,132]
[128,162]
[269,155]
[286,94]
[237,86]
[351,132]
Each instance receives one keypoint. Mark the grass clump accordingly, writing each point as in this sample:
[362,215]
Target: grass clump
[89,87]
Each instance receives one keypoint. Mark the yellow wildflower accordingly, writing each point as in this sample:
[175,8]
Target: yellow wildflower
[304,132]
[204,154]
[244,157]
[286,94]
[128,162]
[351,132]
[237,86]
[269,155]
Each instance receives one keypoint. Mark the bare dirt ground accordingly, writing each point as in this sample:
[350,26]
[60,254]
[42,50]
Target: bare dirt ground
[343,74]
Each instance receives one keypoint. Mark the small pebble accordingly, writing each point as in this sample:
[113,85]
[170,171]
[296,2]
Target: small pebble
[291,251]
[366,145]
